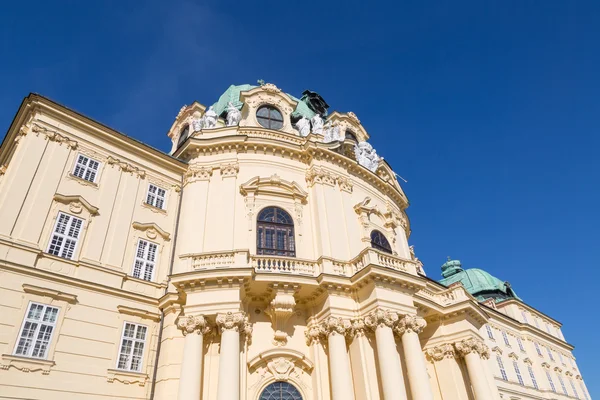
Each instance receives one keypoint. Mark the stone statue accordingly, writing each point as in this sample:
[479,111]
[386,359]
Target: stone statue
[367,156]
[233,115]
[303,126]
[317,124]
[210,118]
[196,124]
[332,133]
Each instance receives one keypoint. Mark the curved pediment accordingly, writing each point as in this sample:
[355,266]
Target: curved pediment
[273,186]
[76,203]
[349,122]
[280,356]
[267,94]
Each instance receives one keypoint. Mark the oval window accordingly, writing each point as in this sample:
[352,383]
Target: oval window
[269,117]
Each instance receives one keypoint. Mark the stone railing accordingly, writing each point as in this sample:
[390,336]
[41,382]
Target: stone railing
[215,260]
[285,265]
[447,297]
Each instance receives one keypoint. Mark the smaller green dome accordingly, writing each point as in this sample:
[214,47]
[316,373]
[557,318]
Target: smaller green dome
[451,267]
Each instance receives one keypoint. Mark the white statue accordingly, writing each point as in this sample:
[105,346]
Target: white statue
[196,124]
[317,124]
[233,115]
[367,156]
[210,118]
[303,126]
[332,133]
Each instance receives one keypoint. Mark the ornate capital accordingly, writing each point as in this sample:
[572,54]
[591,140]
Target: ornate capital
[193,324]
[336,326]
[381,317]
[229,169]
[233,321]
[410,323]
[359,327]
[313,334]
[472,345]
[440,352]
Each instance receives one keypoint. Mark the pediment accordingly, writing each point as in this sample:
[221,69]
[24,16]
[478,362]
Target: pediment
[281,356]
[152,230]
[76,203]
[273,186]
[186,113]
[349,121]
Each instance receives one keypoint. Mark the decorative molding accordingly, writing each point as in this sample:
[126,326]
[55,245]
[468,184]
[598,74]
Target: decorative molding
[232,321]
[273,186]
[513,355]
[137,312]
[152,230]
[528,361]
[126,377]
[279,365]
[280,310]
[54,136]
[353,117]
[197,173]
[380,318]
[46,292]
[3,169]
[497,350]
[313,333]
[441,352]
[410,323]
[193,324]
[336,326]
[316,174]
[76,203]
[126,167]
[25,364]
[472,345]
[229,169]
[271,88]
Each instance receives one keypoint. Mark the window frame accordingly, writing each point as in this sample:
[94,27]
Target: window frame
[490,332]
[64,236]
[378,246]
[181,139]
[86,168]
[35,336]
[505,337]
[156,197]
[145,260]
[134,340]
[501,366]
[268,118]
[532,376]
[549,376]
[520,344]
[518,372]
[289,229]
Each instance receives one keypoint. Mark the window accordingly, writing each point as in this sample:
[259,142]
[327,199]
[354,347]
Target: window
[520,343]
[547,328]
[524,314]
[36,331]
[550,381]
[518,372]
[489,332]
[573,388]
[65,236]
[550,353]
[280,391]
[379,242]
[537,348]
[86,168]
[156,196]
[505,336]
[532,375]
[269,117]
[537,324]
[562,384]
[183,135]
[275,233]
[350,135]
[501,366]
[132,347]
[145,260]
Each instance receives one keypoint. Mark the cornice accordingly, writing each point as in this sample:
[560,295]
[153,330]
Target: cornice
[137,312]
[47,292]
[75,203]
[152,230]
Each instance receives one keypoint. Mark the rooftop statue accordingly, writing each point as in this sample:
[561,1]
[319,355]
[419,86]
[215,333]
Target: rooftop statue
[317,124]
[332,133]
[210,118]
[233,115]
[196,124]
[303,126]
[367,156]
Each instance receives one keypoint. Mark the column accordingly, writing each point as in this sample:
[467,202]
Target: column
[408,328]
[472,350]
[231,324]
[336,330]
[313,334]
[390,370]
[194,328]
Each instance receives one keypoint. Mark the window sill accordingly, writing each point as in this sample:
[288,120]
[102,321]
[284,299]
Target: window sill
[26,364]
[126,377]
[154,208]
[83,181]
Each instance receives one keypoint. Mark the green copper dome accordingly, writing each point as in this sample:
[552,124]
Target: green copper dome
[477,282]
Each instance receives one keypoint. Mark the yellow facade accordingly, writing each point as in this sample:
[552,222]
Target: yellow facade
[142,271]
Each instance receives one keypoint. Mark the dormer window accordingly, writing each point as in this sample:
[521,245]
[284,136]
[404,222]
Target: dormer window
[350,135]
[269,117]
[183,135]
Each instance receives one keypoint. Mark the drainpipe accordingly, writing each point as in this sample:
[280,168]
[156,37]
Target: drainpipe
[162,313]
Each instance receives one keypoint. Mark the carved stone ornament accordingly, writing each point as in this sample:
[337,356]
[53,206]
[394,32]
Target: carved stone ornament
[314,333]
[317,124]
[271,88]
[232,321]
[472,345]
[440,352]
[196,124]
[336,326]
[280,367]
[230,169]
[367,156]
[209,120]
[280,310]
[181,111]
[126,167]
[359,327]
[197,173]
[233,115]
[353,117]
[410,323]
[333,133]
[380,318]
[54,136]
[193,324]
[303,126]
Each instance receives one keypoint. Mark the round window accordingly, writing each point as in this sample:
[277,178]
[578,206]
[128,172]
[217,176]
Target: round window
[269,117]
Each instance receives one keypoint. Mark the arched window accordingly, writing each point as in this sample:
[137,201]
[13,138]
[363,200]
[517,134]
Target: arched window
[183,135]
[280,391]
[350,135]
[275,233]
[269,117]
[379,242]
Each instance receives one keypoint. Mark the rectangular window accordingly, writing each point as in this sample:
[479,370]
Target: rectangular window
[547,328]
[518,372]
[537,348]
[156,196]
[489,332]
[524,314]
[562,384]
[501,365]
[550,381]
[86,168]
[131,351]
[505,336]
[145,260]
[532,375]
[520,343]
[573,388]
[550,353]
[36,331]
[537,324]
[65,236]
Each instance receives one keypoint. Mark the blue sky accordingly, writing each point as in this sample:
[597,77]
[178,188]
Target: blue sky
[489,109]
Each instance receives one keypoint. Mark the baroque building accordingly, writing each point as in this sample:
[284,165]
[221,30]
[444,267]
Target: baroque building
[265,257]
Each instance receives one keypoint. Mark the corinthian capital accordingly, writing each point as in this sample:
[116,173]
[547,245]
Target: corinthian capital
[381,317]
[336,326]
[440,352]
[472,345]
[232,321]
[193,324]
[410,323]
[313,333]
